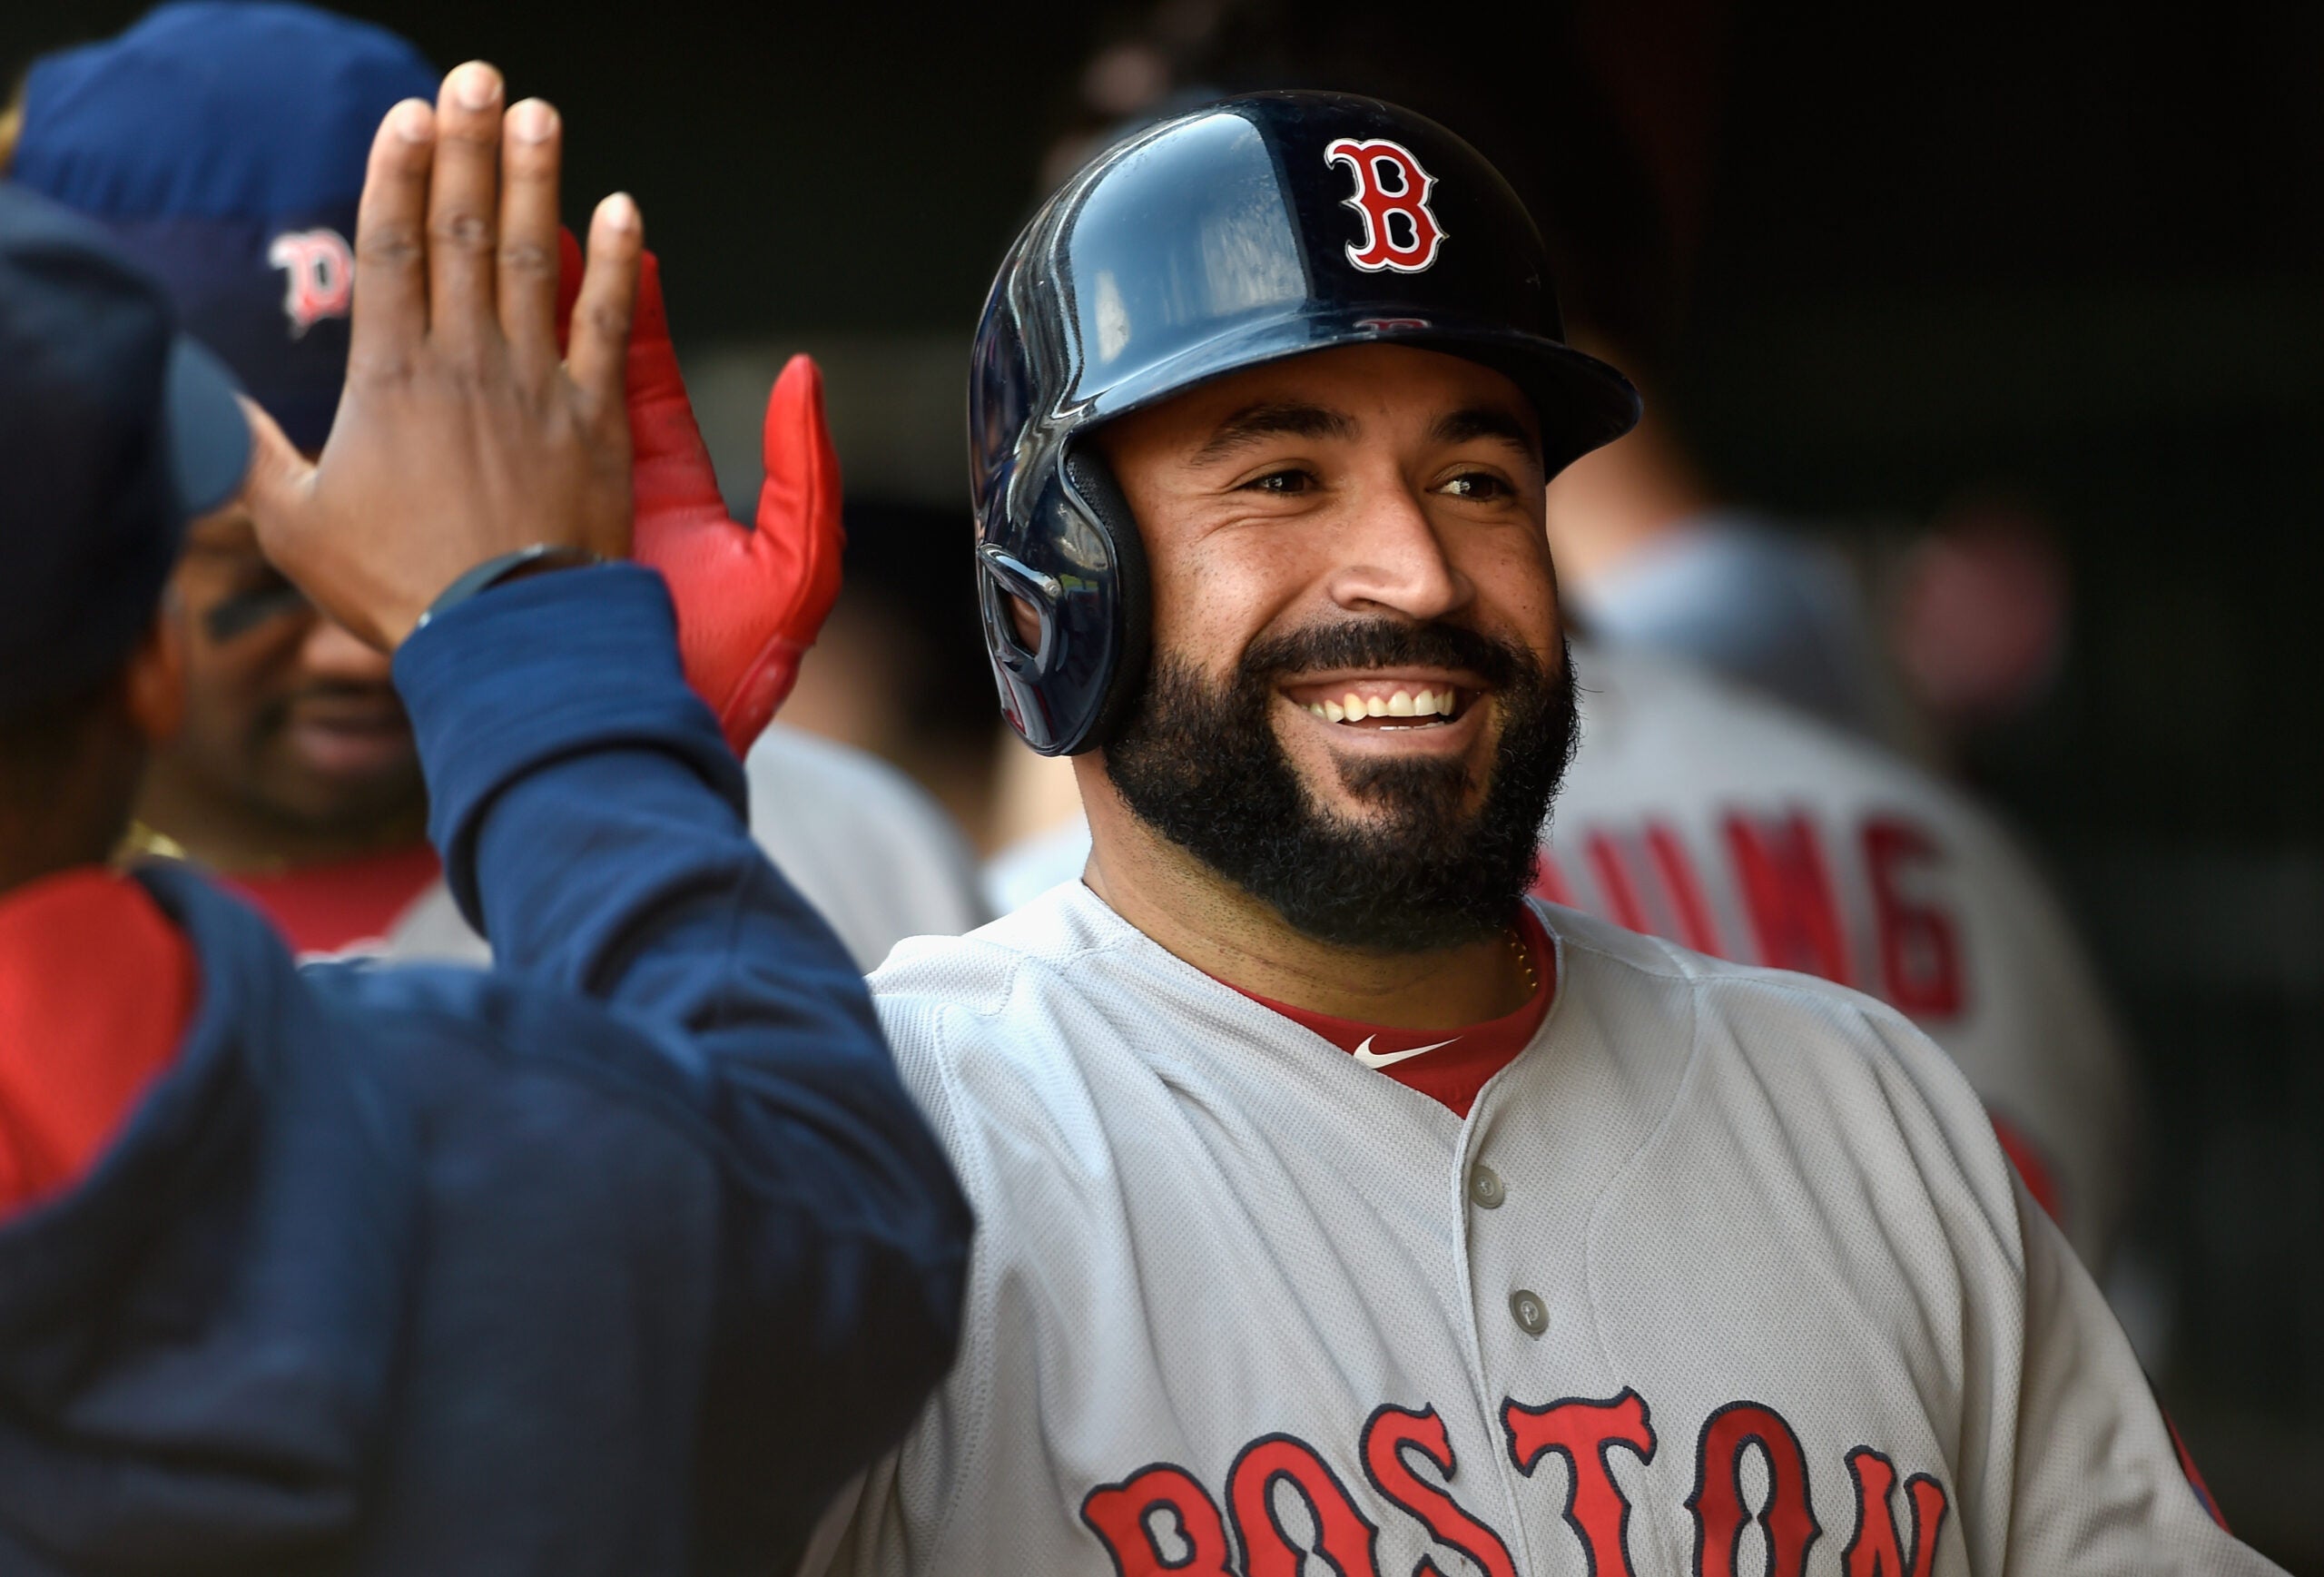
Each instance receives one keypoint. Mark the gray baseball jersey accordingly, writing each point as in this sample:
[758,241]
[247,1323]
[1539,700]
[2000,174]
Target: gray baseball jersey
[1725,1273]
[859,840]
[1699,811]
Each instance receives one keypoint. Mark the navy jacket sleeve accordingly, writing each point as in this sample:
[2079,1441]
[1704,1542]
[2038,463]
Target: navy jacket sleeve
[591,821]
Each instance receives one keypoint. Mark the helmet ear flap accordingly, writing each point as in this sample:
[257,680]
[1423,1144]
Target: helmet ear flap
[1091,484]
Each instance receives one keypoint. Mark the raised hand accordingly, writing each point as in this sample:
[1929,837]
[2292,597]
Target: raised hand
[461,435]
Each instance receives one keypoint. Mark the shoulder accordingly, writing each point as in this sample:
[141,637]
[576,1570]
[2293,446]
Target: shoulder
[1057,933]
[792,760]
[1826,1079]
[1668,733]
[1638,699]
[794,774]
[862,840]
[1046,1021]
[1770,1024]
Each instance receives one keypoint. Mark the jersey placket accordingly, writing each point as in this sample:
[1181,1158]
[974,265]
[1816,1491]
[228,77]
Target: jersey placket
[1543,1141]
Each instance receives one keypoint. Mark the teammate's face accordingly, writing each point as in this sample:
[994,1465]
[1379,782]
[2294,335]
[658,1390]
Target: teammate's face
[1358,706]
[289,718]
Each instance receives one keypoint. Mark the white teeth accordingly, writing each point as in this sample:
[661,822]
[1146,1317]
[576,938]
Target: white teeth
[1354,708]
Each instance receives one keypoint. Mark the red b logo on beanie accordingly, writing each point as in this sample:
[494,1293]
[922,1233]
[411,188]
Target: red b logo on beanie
[1400,230]
[321,270]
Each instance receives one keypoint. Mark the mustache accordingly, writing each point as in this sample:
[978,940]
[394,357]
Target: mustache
[1388,644]
[276,713]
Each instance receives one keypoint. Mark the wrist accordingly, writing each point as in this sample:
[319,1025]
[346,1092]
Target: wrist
[555,667]
[540,557]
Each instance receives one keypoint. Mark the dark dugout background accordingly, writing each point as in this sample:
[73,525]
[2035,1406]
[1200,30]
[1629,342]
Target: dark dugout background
[2078,259]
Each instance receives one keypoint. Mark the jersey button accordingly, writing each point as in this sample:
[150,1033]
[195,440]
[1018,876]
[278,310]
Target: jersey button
[1532,1315]
[1484,1187]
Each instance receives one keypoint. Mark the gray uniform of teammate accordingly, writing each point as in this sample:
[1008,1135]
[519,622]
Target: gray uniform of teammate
[860,841]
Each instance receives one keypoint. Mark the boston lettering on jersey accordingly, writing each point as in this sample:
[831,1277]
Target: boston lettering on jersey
[1644,878]
[1163,1518]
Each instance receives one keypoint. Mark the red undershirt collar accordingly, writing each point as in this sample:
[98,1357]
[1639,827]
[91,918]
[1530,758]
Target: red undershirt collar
[96,989]
[330,908]
[1449,1069]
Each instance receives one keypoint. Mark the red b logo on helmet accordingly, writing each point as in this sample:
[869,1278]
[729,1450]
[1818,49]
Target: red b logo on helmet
[322,272]
[1400,230]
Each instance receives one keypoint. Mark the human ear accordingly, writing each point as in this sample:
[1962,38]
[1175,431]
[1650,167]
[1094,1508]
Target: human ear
[154,680]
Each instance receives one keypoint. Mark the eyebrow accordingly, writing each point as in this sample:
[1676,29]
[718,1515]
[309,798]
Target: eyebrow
[1486,421]
[1273,419]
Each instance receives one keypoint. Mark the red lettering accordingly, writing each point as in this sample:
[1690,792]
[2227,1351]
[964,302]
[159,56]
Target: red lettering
[1719,1513]
[1387,1436]
[1343,1536]
[318,276]
[1585,1433]
[1390,187]
[1123,1516]
[1920,950]
[1787,893]
[1623,906]
[1678,873]
[1875,1550]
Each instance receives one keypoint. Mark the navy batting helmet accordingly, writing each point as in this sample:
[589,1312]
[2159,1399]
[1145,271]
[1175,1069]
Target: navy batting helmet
[1241,232]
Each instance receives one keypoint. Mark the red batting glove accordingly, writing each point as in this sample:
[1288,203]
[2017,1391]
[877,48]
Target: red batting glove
[750,602]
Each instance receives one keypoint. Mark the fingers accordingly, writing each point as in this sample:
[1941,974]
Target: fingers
[531,144]
[802,477]
[598,354]
[568,282]
[390,305]
[464,209]
[276,486]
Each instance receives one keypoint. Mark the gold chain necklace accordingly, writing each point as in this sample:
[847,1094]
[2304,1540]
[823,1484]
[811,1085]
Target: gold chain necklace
[1524,962]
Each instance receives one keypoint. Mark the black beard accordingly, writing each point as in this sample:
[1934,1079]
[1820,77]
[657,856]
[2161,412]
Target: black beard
[1201,765]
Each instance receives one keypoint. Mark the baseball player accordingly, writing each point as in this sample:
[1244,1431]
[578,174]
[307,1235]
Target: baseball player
[605,1264]
[224,145]
[1340,1208]
[1696,810]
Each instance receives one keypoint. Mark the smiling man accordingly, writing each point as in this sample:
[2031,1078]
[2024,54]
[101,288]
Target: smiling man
[1336,1201]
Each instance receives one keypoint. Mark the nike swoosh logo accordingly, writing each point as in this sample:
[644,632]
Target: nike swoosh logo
[1371,1058]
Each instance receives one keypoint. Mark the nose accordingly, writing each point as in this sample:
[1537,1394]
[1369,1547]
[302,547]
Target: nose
[329,652]
[1392,560]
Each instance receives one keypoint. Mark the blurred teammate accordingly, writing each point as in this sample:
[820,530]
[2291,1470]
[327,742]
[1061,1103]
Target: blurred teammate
[1339,1208]
[223,143]
[604,1265]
